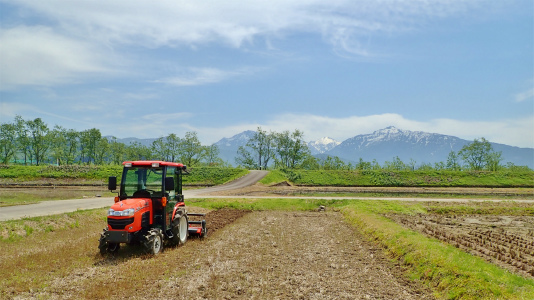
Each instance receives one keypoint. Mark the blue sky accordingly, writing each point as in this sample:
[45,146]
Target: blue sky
[328,68]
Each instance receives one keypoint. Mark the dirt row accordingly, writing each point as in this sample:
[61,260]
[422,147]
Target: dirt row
[507,241]
[291,255]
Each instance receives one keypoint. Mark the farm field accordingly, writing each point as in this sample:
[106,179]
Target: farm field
[277,249]
[253,257]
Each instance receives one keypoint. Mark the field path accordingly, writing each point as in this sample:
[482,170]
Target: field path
[45,208]
[251,178]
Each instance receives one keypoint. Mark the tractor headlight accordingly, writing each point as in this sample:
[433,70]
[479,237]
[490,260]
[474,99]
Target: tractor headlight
[121,213]
[128,212]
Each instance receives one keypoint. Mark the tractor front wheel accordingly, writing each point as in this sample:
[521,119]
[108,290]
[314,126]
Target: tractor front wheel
[106,247]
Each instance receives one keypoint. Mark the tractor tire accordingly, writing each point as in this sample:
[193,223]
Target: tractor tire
[106,247]
[180,226]
[154,243]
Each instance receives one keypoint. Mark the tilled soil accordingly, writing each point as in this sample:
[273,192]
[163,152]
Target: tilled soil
[247,255]
[290,255]
[507,241]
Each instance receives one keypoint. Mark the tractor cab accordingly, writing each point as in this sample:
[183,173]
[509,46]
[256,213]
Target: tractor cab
[149,207]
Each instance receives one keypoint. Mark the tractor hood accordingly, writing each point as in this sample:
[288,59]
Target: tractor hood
[128,207]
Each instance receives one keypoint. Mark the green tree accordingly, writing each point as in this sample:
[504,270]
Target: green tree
[159,149]
[117,151]
[172,146]
[137,151]
[439,166]
[191,150]
[396,164]
[476,154]
[333,163]
[39,139]
[260,148]
[23,140]
[310,163]
[71,146]
[493,161]
[212,155]
[363,165]
[244,159]
[102,154]
[290,149]
[452,161]
[8,142]
[58,144]
[94,137]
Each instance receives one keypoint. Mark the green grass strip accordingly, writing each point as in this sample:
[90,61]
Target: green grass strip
[448,271]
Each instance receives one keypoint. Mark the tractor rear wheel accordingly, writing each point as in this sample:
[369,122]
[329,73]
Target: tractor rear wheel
[154,243]
[180,227]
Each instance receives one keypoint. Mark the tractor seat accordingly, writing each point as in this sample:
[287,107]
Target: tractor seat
[141,194]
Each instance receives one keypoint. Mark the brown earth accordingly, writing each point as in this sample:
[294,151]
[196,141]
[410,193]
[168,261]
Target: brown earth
[289,255]
[247,255]
[507,241]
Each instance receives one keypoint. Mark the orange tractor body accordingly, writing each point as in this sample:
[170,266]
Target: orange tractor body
[149,209]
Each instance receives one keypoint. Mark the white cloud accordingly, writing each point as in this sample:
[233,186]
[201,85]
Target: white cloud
[39,56]
[171,22]
[201,76]
[80,35]
[529,94]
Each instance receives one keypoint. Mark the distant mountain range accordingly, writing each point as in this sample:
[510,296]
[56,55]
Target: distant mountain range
[381,145]
[385,144]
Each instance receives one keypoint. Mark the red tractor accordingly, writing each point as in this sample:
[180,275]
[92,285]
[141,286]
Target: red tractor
[149,209]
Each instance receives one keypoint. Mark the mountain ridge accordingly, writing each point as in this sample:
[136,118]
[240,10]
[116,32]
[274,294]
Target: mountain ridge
[381,145]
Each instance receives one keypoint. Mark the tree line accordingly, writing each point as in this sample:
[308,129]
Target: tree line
[33,142]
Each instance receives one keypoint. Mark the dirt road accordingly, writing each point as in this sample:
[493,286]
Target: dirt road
[251,178]
[45,208]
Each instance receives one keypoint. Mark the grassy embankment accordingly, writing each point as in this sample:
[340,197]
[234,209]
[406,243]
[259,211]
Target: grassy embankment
[64,246]
[98,175]
[73,182]
[443,178]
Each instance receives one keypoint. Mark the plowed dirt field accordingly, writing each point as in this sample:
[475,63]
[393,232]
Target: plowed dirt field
[247,255]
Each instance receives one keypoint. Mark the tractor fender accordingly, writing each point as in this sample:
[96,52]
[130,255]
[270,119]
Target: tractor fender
[177,209]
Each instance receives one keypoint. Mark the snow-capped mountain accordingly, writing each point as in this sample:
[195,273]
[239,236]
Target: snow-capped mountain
[421,147]
[322,145]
